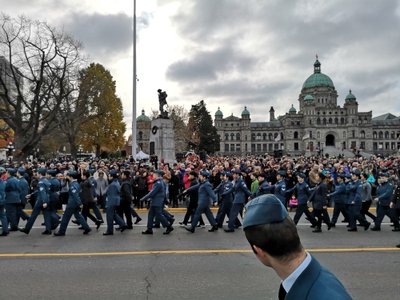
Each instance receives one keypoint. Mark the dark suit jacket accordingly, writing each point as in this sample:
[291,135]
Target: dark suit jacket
[316,283]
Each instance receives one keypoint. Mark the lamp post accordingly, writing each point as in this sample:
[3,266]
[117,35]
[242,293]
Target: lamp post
[134,84]
[10,148]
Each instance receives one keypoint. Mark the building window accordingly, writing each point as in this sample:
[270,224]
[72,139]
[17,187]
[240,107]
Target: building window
[270,137]
[330,121]
[238,136]
[318,121]
[232,147]
[140,135]
[276,146]
[353,133]
[362,134]
[237,147]
[269,147]
[318,135]
[232,136]
[226,147]
[245,147]
[336,121]
[253,148]
[253,136]
[296,146]
[353,145]
[324,121]
[362,145]
[264,147]
[392,135]
[295,135]
[311,134]
[258,147]
[258,136]
[375,146]
[264,136]
[380,135]
[342,120]
[386,135]
[344,134]
[375,135]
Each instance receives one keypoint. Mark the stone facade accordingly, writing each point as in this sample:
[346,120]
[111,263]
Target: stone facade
[320,126]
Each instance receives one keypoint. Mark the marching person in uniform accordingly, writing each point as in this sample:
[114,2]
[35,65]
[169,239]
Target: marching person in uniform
[113,200]
[13,198]
[206,198]
[157,196]
[24,191]
[74,206]
[225,191]
[273,237]
[3,218]
[339,197]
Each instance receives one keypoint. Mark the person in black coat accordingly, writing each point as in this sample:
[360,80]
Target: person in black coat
[319,199]
[87,197]
[193,200]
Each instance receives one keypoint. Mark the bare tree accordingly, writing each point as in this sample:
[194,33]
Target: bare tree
[39,70]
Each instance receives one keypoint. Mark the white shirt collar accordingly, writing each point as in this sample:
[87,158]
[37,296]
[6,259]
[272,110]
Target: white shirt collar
[291,279]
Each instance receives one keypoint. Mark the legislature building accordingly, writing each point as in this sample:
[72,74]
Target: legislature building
[319,127]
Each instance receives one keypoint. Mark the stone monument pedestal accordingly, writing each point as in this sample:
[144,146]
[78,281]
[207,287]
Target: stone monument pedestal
[162,140]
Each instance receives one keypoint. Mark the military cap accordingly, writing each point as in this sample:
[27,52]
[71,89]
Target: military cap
[237,172]
[114,172]
[342,175]
[2,170]
[72,173]
[52,172]
[11,171]
[265,209]
[301,175]
[264,175]
[348,176]
[384,175]
[325,172]
[228,174]
[42,171]
[126,173]
[21,170]
[222,173]
[282,173]
[205,173]
[357,172]
[91,171]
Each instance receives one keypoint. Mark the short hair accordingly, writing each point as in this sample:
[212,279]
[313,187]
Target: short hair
[280,239]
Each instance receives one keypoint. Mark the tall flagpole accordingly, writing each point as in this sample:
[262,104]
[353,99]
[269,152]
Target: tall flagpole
[134,84]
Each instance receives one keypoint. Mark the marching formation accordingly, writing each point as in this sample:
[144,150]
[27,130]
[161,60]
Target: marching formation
[349,186]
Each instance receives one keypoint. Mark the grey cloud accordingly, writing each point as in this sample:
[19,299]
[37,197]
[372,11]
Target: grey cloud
[358,40]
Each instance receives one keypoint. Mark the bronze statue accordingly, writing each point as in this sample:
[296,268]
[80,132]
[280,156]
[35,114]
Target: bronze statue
[162,99]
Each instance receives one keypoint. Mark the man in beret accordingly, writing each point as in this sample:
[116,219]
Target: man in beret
[384,194]
[13,198]
[274,239]
[24,191]
[74,206]
[157,196]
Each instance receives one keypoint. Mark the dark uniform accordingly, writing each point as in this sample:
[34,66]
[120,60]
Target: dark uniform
[225,191]
[3,218]
[339,199]
[13,198]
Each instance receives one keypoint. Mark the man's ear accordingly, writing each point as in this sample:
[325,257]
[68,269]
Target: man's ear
[258,251]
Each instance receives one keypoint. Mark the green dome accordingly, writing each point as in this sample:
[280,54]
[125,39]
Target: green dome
[218,113]
[308,98]
[245,111]
[318,79]
[292,109]
[143,117]
[350,97]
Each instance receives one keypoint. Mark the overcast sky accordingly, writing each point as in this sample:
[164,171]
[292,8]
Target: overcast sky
[235,53]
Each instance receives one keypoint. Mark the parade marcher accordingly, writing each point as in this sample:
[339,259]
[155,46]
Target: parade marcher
[339,197]
[95,206]
[319,199]
[74,206]
[193,198]
[88,200]
[225,191]
[355,190]
[13,198]
[41,193]
[113,200]
[384,195]
[3,218]
[142,187]
[24,191]
[366,197]
[54,197]
[280,187]
[206,198]
[303,192]
[126,201]
[157,196]
[241,194]
[263,186]
[274,239]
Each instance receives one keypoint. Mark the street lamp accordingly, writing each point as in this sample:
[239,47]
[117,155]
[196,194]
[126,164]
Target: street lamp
[11,149]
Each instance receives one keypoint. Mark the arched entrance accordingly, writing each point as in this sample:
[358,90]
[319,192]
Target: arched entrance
[330,140]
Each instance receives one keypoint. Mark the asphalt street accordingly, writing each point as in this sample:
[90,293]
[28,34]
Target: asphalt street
[182,265]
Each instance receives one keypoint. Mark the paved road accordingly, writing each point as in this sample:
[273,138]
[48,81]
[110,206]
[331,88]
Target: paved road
[183,265]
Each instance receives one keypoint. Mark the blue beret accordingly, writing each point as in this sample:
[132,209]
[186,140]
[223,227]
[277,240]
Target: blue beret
[52,172]
[159,172]
[301,175]
[2,170]
[21,170]
[228,174]
[11,171]
[72,173]
[384,175]
[265,209]
[342,175]
[205,173]
[222,173]
[357,172]
[114,172]
[348,176]
[42,171]
[282,173]
[237,172]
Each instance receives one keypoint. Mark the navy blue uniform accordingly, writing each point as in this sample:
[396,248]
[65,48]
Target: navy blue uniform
[384,194]
[303,192]
[339,197]
[3,218]
[13,199]
[241,193]
[354,189]
[225,191]
[113,200]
